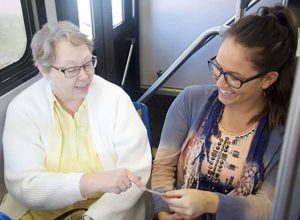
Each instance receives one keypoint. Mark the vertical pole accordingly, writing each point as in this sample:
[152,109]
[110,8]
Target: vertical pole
[286,182]
[127,62]
[240,9]
[285,2]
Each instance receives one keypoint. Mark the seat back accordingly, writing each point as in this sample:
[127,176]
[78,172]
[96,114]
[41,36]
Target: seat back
[4,217]
[142,110]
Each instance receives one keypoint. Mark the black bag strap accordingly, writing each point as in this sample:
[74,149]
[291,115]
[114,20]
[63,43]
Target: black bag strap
[70,212]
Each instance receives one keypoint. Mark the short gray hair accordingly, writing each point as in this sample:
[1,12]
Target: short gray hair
[44,40]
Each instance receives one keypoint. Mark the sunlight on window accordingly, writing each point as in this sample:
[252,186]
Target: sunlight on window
[12,32]
[117,12]
[85,18]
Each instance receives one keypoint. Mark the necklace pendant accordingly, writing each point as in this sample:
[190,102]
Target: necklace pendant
[231,167]
[235,154]
[236,141]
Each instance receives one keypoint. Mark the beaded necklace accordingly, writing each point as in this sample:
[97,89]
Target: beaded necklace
[221,152]
[209,121]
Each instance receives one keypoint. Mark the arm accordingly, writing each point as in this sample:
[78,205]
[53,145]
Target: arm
[258,206]
[110,181]
[26,178]
[174,132]
[132,150]
[191,203]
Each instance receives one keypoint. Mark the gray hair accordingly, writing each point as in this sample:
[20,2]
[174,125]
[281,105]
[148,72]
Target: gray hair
[44,40]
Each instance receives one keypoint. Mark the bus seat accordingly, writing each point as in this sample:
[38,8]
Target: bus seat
[142,110]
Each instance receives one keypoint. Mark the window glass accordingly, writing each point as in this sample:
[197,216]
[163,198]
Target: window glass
[117,12]
[85,18]
[13,38]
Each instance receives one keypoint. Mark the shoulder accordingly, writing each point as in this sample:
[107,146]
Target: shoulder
[274,142]
[104,93]
[198,91]
[273,150]
[104,88]
[32,96]
[197,95]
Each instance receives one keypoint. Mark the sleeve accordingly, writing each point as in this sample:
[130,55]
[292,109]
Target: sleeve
[133,152]
[258,206]
[26,177]
[174,133]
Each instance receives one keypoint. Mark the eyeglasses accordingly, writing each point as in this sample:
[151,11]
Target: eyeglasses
[230,79]
[73,71]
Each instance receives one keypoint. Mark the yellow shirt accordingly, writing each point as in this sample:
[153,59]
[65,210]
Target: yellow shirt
[71,149]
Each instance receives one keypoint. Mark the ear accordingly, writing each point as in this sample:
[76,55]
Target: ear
[43,72]
[269,79]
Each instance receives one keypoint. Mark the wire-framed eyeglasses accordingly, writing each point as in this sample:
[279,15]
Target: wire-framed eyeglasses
[73,71]
[229,77]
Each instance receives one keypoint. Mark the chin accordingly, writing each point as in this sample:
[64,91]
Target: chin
[226,100]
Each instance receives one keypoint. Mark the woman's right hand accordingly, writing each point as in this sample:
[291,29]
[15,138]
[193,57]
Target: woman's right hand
[110,181]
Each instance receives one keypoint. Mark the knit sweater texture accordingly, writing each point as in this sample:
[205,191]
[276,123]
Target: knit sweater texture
[120,140]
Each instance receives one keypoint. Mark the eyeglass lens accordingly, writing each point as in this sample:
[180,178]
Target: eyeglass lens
[217,72]
[88,67]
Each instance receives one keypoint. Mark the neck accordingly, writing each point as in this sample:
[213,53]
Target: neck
[236,119]
[70,107]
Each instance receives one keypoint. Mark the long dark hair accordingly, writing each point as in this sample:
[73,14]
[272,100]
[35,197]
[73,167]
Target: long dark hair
[271,35]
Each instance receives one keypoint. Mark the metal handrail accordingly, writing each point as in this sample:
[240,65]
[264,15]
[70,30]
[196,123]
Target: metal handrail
[182,58]
[187,53]
[128,62]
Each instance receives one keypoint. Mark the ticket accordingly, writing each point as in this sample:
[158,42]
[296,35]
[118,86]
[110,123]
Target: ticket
[152,191]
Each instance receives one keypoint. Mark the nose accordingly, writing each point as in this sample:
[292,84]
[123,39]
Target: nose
[83,74]
[221,82]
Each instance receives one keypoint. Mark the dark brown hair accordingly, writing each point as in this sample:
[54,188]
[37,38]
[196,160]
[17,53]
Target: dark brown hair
[271,36]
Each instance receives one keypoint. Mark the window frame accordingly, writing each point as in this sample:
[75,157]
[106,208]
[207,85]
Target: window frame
[22,70]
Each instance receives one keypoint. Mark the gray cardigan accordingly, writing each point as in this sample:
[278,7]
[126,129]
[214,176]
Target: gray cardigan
[181,121]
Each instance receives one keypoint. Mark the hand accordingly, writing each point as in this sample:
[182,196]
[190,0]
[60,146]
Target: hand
[115,181]
[191,203]
[118,180]
[167,216]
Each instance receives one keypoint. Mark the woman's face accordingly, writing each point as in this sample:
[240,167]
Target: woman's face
[70,91]
[232,57]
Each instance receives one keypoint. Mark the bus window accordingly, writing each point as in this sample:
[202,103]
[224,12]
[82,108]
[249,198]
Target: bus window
[117,12]
[85,18]
[12,32]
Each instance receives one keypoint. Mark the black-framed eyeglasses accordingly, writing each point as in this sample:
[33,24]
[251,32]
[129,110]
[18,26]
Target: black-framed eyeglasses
[73,71]
[229,77]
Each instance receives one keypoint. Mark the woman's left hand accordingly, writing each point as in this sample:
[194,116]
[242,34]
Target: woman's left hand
[191,203]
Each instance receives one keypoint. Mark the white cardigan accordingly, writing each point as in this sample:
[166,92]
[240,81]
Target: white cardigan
[117,131]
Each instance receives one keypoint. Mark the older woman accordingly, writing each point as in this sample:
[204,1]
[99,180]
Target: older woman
[67,143]
[220,144]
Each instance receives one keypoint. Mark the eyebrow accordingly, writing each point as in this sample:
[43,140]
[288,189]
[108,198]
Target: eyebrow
[70,63]
[232,72]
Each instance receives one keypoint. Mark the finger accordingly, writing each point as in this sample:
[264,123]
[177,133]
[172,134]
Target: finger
[116,190]
[126,182]
[174,193]
[137,180]
[173,201]
[177,210]
[122,186]
[185,216]
[176,216]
